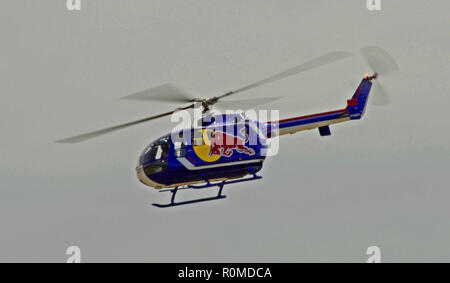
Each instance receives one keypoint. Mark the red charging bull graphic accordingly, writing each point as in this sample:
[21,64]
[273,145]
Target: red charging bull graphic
[225,144]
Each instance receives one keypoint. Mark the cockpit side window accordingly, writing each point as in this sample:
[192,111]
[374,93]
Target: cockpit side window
[165,150]
[180,149]
[149,154]
[157,150]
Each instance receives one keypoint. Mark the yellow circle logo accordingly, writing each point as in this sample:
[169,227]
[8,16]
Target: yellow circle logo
[202,146]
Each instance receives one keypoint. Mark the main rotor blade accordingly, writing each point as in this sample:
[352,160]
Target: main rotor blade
[244,104]
[90,135]
[165,93]
[311,64]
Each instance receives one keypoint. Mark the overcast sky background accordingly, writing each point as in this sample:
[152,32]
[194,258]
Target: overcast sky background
[379,181]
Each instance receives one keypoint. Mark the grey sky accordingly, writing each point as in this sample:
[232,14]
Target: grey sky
[379,181]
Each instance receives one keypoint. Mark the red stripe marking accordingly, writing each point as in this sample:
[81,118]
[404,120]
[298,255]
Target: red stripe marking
[310,116]
[190,158]
[352,102]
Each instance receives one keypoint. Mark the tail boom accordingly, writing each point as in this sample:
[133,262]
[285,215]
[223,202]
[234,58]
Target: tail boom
[355,110]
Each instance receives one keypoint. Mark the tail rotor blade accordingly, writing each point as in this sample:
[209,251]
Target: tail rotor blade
[383,64]
[379,95]
[379,60]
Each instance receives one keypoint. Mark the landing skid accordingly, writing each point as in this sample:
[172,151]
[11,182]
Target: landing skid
[174,192]
[199,187]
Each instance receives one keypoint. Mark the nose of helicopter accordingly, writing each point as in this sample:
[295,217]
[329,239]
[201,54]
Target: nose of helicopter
[141,174]
[146,180]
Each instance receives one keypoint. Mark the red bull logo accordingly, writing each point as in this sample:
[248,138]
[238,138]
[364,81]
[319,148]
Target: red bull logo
[224,144]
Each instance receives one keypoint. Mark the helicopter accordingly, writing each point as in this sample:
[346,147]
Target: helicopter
[226,149]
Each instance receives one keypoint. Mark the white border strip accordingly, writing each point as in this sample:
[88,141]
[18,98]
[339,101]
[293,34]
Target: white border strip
[186,163]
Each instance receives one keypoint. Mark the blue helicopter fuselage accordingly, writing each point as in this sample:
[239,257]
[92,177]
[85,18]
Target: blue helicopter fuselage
[229,149]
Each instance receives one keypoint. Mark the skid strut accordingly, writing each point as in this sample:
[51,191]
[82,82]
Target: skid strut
[207,185]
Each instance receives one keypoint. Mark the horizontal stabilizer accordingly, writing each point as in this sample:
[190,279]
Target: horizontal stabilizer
[325,131]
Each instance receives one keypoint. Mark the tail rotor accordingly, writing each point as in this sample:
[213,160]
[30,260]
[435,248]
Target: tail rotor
[384,65]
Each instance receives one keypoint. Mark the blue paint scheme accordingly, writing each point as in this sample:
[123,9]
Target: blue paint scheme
[361,96]
[169,171]
[176,172]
